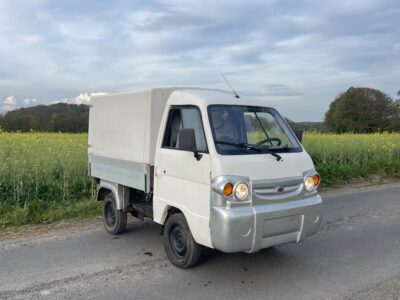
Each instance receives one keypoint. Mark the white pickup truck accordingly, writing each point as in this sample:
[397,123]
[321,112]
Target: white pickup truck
[212,169]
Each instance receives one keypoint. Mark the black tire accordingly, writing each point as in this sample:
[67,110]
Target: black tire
[181,248]
[114,220]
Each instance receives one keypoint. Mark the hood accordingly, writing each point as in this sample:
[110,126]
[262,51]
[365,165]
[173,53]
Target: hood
[262,166]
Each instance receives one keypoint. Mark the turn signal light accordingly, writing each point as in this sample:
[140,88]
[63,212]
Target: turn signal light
[316,180]
[228,189]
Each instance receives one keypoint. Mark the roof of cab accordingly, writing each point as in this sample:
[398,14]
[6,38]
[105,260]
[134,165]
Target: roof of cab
[205,97]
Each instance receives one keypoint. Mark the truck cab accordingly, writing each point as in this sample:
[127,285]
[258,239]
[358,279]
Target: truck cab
[221,172]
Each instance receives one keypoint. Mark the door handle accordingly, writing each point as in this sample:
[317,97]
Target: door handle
[158,173]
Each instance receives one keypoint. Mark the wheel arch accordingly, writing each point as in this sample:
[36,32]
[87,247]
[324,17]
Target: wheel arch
[117,190]
[171,210]
[168,211]
[198,226]
[102,192]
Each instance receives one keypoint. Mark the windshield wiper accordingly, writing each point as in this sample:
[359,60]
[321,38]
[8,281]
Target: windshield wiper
[241,146]
[276,155]
[285,149]
[246,146]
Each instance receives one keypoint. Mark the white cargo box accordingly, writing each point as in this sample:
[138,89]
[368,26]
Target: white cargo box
[123,130]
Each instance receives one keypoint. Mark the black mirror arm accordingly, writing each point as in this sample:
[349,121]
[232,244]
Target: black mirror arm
[197,155]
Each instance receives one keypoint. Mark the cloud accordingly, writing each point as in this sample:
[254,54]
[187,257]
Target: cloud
[297,41]
[28,101]
[83,29]
[10,101]
[84,98]
[282,90]
[298,54]
[8,104]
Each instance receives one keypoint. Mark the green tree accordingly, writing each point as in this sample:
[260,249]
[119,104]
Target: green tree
[361,110]
[56,117]
[396,123]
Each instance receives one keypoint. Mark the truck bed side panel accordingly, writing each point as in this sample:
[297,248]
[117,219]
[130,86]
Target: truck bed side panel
[127,173]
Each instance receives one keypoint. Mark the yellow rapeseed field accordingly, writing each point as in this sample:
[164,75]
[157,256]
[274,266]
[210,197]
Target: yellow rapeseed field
[43,176]
[41,172]
[340,157]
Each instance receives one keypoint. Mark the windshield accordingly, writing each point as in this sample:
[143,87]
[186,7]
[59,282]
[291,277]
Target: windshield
[241,129]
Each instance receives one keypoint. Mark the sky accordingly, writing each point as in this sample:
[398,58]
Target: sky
[296,55]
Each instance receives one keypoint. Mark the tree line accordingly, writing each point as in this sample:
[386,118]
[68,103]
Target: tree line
[60,117]
[358,110]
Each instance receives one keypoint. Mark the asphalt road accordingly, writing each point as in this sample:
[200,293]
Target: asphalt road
[355,255]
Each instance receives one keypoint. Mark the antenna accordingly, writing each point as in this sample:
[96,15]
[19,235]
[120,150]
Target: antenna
[227,82]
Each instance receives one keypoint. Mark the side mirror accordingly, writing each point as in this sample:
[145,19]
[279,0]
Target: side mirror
[187,141]
[299,134]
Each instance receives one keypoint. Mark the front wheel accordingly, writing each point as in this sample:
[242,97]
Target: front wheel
[181,248]
[114,220]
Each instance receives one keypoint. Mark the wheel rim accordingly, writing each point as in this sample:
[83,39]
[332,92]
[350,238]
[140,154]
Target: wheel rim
[178,241]
[110,215]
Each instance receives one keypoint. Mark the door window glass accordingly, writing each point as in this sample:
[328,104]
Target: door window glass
[185,117]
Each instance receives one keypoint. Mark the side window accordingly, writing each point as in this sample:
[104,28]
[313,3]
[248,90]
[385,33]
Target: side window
[185,117]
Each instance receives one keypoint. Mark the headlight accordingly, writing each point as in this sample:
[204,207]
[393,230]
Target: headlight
[235,190]
[309,183]
[241,191]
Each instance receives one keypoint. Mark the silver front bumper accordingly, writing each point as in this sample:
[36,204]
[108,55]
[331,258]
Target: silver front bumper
[251,228]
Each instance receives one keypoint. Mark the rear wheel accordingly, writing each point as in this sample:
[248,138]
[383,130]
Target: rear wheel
[114,220]
[181,248]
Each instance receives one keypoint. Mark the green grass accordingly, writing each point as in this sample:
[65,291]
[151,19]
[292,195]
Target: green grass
[35,212]
[43,176]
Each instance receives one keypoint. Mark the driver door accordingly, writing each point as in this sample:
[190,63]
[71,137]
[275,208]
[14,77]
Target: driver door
[181,180]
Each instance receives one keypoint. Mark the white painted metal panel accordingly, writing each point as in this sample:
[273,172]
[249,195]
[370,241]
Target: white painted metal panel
[125,126]
[127,173]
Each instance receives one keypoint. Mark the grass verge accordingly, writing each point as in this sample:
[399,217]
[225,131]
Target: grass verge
[36,212]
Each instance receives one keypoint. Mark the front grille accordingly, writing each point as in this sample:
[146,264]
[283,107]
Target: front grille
[277,190]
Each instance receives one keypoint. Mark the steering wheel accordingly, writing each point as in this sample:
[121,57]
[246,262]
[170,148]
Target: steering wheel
[274,139]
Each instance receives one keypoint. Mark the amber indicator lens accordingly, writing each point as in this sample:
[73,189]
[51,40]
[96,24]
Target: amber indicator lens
[316,180]
[228,189]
